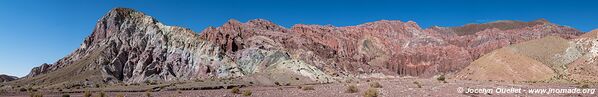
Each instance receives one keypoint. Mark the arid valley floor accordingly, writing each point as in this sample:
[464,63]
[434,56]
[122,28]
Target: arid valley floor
[391,87]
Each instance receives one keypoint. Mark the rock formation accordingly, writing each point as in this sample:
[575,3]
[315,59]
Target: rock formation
[7,78]
[131,47]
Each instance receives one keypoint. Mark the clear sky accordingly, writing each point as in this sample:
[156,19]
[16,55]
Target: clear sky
[36,32]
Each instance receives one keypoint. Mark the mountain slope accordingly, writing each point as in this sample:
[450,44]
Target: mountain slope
[7,78]
[585,69]
[131,47]
[534,60]
[504,64]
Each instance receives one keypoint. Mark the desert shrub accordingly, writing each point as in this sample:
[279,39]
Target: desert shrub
[179,91]
[148,93]
[418,84]
[584,86]
[22,89]
[235,90]
[120,95]
[246,93]
[352,89]
[31,89]
[102,94]
[307,88]
[35,94]
[375,85]
[87,94]
[277,83]
[441,78]
[66,95]
[371,92]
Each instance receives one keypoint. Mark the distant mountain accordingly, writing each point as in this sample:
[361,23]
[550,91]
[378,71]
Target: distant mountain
[548,59]
[7,78]
[132,47]
[536,60]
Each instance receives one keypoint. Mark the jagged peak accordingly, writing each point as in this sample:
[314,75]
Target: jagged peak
[120,14]
[122,10]
[296,26]
[208,29]
[260,21]
[265,24]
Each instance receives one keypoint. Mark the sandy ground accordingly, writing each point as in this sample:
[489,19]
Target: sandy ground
[401,87]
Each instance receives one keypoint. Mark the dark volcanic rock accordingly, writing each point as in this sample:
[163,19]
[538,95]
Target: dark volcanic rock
[131,47]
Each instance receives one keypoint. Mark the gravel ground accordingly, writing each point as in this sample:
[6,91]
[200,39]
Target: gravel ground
[400,87]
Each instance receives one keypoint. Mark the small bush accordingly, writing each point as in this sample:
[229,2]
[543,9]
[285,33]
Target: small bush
[375,85]
[308,88]
[148,93]
[66,95]
[276,83]
[22,89]
[371,93]
[87,94]
[246,93]
[35,94]
[31,89]
[418,84]
[584,86]
[235,90]
[352,89]
[441,78]
[102,94]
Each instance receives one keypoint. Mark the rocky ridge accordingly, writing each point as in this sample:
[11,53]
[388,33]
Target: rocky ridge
[7,78]
[131,47]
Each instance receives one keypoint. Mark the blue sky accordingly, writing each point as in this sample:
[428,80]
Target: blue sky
[36,32]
